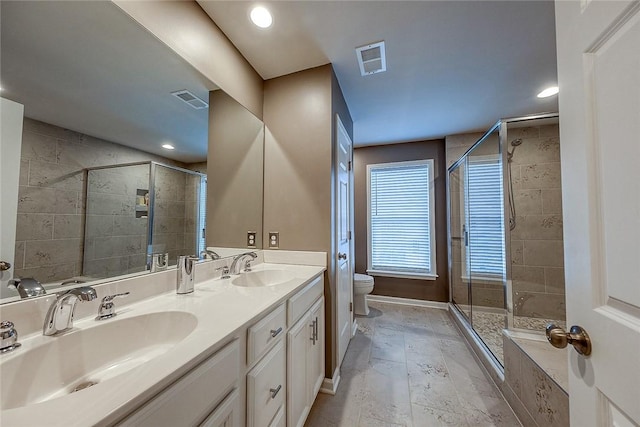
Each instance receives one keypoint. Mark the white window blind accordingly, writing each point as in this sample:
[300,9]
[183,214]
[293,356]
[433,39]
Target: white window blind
[401,232]
[486,217]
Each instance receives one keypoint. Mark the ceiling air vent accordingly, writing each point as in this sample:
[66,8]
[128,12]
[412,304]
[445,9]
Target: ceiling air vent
[190,99]
[371,58]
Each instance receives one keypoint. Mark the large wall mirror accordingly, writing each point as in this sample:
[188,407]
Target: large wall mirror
[97,192]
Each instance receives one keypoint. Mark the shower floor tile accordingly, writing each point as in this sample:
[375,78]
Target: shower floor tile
[409,366]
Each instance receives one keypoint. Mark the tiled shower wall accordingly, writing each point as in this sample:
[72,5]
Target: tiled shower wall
[175,213]
[50,226]
[115,237]
[536,242]
[537,255]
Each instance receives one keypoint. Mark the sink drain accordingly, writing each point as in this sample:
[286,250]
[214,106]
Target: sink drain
[83,385]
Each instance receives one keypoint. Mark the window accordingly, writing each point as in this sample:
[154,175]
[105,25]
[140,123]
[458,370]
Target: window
[486,217]
[401,240]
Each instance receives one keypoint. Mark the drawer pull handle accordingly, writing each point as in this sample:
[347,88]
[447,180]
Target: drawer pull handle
[275,391]
[276,332]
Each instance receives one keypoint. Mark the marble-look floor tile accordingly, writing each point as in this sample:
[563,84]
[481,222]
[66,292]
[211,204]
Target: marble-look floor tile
[431,417]
[409,366]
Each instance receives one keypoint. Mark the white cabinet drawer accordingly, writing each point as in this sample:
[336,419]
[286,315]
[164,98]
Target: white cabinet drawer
[302,301]
[280,420]
[188,401]
[227,414]
[265,333]
[266,387]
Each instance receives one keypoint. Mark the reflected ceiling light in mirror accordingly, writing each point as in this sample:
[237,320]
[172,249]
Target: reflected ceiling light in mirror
[168,147]
[261,17]
[550,91]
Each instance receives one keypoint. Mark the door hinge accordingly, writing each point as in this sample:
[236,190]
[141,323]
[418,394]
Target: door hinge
[348,235]
[350,307]
[349,165]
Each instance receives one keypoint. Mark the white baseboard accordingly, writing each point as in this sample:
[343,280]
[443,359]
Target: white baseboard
[408,301]
[330,385]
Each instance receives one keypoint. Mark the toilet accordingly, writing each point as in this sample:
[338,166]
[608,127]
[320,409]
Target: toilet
[362,285]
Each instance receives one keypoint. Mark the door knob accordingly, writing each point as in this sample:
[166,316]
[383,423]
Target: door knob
[4,266]
[577,337]
[342,255]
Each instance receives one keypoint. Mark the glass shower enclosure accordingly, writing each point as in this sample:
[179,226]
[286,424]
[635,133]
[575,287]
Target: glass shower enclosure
[134,210]
[505,230]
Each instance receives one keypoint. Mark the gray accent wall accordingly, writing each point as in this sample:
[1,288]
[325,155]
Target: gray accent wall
[431,290]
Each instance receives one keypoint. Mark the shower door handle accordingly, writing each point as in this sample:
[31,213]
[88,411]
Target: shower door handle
[576,336]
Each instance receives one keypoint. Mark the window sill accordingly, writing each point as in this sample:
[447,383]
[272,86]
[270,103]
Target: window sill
[401,275]
[484,278]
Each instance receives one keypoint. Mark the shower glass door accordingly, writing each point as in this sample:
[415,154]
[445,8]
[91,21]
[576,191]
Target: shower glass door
[477,239]
[458,226]
[486,240]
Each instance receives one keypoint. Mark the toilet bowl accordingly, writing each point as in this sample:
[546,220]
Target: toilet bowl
[362,285]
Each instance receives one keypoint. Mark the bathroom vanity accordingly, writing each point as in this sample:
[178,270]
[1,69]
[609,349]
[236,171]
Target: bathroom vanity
[247,350]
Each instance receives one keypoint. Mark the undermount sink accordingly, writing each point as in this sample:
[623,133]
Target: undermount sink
[69,363]
[260,278]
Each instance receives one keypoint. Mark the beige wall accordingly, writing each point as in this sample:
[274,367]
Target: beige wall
[432,290]
[299,116]
[297,174]
[185,28]
[235,174]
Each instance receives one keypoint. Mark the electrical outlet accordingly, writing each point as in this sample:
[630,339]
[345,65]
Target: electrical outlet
[274,240]
[251,239]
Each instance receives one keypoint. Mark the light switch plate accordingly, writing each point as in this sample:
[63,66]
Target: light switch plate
[251,239]
[274,240]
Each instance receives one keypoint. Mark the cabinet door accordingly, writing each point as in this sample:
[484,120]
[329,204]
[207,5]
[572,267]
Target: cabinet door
[227,414]
[316,350]
[266,388]
[298,339]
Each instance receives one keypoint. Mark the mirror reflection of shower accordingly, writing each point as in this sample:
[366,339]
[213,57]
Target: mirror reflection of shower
[512,205]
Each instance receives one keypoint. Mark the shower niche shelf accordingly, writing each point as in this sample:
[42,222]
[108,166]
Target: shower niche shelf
[142,203]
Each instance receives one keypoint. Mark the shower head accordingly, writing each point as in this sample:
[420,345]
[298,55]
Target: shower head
[514,144]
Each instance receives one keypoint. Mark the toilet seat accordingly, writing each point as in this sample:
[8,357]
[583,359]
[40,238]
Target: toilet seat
[362,280]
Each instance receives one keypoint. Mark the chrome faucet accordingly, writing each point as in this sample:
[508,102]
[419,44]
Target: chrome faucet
[27,287]
[107,308]
[9,337]
[242,261]
[209,254]
[60,315]
[185,274]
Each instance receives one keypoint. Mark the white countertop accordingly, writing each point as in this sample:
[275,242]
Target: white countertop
[221,310]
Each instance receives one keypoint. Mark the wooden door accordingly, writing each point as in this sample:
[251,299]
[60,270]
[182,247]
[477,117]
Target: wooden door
[598,46]
[344,261]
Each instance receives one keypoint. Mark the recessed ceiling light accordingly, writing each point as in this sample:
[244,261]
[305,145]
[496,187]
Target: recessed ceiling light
[550,91]
[261,17]
[168,146]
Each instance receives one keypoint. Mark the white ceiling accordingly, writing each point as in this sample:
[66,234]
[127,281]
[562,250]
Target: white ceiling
[87,66]
[452,66]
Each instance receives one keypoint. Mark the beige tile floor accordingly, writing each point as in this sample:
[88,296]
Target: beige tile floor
[409,366]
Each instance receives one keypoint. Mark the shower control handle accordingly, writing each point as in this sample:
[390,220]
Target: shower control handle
[576,336]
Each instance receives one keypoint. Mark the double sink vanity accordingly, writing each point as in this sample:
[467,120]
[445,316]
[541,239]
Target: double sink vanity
[242,349]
